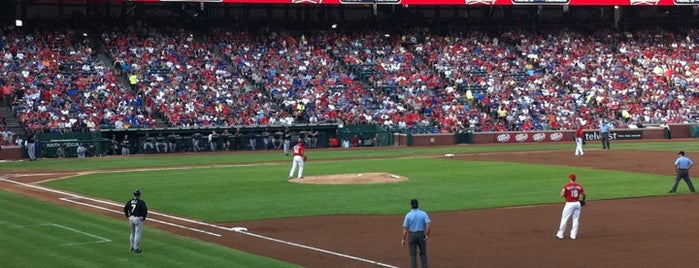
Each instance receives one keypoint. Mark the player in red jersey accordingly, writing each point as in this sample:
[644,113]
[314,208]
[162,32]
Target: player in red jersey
[574,193]
[299,158]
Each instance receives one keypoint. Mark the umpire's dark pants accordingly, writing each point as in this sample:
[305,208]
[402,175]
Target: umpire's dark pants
[682,174]
[417,240]
[605,140]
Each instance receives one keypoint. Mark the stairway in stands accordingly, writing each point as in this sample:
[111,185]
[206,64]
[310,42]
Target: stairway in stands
[124,81]
[12,123]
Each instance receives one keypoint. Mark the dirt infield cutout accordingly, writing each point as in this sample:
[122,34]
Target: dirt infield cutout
[357,178]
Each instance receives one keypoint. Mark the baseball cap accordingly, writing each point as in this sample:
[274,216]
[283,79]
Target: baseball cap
[681,152]
[572,176]
[137,192]
[413,203]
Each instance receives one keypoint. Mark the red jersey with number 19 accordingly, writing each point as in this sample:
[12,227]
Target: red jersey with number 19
[572,191]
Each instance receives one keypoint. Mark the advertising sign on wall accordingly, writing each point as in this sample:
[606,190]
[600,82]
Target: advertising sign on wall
[521,137]
[451,2]
[616,135]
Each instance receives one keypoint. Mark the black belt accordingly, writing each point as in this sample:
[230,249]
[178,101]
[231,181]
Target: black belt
[418,232]
[681,169]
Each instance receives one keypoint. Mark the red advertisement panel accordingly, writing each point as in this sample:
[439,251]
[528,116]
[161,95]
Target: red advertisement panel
[451,2]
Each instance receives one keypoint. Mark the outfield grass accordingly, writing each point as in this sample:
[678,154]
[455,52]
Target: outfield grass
[38,234]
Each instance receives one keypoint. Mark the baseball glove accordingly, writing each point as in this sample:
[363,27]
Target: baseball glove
[305,158]
[582,203]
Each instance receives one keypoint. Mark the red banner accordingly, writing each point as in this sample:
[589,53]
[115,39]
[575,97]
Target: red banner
[451,2]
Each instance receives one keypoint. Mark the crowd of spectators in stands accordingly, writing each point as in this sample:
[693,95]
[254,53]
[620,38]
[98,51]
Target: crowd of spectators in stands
[511,80]
[58,84]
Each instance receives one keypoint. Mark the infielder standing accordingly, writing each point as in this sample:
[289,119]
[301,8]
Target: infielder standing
[136,211]
[299,158]
[574,193]
[682,166]
[579,141]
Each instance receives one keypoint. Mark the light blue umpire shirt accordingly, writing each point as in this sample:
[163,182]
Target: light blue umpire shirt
[416,220]
[683,162]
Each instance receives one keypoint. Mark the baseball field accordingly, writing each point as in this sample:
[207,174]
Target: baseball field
[491,206]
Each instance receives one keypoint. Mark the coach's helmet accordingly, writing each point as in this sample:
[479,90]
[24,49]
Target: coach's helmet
[137,192]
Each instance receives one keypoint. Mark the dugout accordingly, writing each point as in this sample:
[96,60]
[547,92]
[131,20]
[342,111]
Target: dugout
[367,135]
[49,144]
[100,143]
[250,138]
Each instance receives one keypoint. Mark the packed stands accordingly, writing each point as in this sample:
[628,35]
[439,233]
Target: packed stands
[412,81]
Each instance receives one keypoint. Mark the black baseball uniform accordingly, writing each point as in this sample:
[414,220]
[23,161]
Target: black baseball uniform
[136,211]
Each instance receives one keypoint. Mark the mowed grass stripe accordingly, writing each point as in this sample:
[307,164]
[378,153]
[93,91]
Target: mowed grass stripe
[241,193]
[29,242]
[18,243]
[38,229]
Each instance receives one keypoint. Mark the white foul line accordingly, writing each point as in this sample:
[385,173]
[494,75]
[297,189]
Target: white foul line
[113,204]
[317,249]
[241,230]
[149,219]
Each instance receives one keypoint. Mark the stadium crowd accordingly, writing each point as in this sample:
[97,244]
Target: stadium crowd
[470,80]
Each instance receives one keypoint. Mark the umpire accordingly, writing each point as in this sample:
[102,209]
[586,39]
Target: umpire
[682,166]
[136,211]
[604,129]
[416,229]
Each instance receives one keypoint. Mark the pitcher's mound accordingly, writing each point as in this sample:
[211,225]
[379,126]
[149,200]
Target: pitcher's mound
[357,178]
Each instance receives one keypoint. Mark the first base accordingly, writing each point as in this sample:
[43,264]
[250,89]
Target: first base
[239,229]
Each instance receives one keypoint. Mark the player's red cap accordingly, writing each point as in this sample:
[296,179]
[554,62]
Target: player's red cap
[572,176]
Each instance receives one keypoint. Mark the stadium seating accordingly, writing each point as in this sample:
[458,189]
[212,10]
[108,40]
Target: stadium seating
[413,82]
